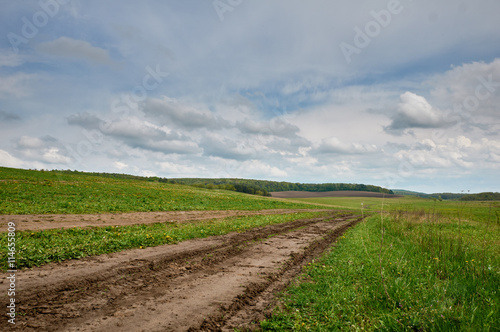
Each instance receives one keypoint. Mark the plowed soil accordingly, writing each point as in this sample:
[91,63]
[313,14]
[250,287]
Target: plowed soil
[38,222]
[340,193]
[213,284]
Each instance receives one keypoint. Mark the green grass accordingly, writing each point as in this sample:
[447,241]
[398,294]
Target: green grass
[473,210]
[42,247]
[428,271]
[44,192]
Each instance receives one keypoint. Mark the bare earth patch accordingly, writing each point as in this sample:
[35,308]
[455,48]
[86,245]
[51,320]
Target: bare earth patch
[212,284]
[38,222]
[339,193]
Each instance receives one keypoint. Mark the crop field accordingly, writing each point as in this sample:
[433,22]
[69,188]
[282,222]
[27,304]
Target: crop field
[108,254]
[474,210]
[35,192]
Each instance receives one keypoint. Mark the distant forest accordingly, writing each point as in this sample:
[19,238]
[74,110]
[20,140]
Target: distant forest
[262,187]
[486,196]
[489,196]
[254,187]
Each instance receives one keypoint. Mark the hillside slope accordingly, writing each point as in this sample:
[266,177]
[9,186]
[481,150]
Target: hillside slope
[273,186]
[46,192]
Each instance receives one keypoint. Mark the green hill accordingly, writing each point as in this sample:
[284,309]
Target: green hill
[263,187]
[408,193]
[487,196]
[442,196]
[46,192]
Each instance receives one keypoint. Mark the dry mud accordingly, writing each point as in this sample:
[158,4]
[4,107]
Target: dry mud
[213,284]
[38,222]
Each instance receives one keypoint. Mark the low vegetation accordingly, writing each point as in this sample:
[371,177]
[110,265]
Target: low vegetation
[416,264]
[270,186]
[228,185]
[473,210]
[45,192]
[42,247]
[411,269]
[487,196]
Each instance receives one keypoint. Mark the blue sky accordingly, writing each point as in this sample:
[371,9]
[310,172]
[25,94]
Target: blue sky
[401,94]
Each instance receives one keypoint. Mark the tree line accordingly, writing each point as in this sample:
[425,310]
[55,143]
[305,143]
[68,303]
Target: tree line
[248,186]
[264,187]
[487,196]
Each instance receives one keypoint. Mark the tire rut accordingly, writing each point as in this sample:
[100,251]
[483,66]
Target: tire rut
[146,293]
[258,300]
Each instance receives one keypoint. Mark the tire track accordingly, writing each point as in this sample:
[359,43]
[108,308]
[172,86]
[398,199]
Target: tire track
[197,284]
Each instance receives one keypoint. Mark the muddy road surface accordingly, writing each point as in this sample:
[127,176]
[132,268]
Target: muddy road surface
[38,222]
[213,284]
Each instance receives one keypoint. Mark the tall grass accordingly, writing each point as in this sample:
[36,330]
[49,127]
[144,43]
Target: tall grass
[427,271]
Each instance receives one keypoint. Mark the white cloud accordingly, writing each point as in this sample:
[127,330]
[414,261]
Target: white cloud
[7,160]
[75,49]
[10,59]
[41,150]
[414,111]
[28,142]
[471,92]
[172,112]
[276,127]
[458,151]
[18,85]
[141,134]
[334,145]
[218,145]
[53,156]
[255,169]
[172,169]
[119,165]
[85,120]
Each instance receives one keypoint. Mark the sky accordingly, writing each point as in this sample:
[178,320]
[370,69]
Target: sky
[401,94]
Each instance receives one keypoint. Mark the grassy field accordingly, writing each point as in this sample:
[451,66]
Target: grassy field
[414,265]
[37,192]
[419,266]
[473,210]
[43,247]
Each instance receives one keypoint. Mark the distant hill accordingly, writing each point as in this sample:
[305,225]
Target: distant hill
[266,187]
[443,196]
[249,186]
[409,193]
[338,193]
[487,196]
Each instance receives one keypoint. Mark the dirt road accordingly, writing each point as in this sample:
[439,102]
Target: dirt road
[213,284]
[38,222]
